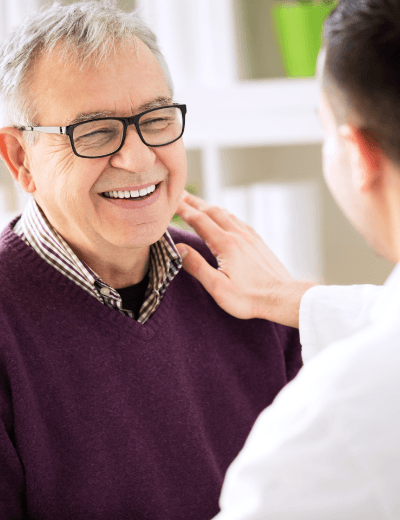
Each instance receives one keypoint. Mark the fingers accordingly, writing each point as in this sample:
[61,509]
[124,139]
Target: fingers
[195,202]
[198,267]
[218,228]
[243,226]
[218,215]
[222,217]
[205,226]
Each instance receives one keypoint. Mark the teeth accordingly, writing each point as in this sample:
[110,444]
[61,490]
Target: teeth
[130,194]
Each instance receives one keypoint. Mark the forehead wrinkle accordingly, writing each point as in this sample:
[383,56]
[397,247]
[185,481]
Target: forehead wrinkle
[85,116]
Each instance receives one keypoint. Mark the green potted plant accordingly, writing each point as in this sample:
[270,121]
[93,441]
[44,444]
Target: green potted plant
[298,28]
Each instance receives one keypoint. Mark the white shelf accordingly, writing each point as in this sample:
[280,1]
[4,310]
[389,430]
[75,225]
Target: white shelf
[252,113]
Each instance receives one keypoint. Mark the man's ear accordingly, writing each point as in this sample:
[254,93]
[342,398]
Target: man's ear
[13,153]
[366,157]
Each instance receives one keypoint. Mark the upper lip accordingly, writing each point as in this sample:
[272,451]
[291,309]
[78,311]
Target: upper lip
[133,188]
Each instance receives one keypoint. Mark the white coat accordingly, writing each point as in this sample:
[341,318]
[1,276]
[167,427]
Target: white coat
[328,448]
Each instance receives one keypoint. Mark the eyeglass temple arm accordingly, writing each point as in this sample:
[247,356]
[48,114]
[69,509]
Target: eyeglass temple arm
[47,129]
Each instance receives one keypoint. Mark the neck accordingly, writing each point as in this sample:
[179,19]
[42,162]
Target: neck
[130,269]
[117,266]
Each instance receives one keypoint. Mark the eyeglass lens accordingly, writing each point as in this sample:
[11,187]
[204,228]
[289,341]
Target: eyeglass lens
[103,137]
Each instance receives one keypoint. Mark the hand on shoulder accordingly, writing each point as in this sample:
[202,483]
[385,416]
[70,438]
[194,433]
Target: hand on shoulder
[250,281]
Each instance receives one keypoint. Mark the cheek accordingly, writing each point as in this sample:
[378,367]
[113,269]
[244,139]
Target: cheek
[51,167]
[337,174]
[335,167]
[328,161]
[175,162]
[61,178]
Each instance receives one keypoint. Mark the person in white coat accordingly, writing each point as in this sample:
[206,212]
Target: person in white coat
[328,448]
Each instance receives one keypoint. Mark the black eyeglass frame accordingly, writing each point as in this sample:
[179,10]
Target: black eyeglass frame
[126,121]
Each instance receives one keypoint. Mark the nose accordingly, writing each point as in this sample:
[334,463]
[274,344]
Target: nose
[134,155]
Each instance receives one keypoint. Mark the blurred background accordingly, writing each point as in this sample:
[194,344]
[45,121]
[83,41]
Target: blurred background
[253,138]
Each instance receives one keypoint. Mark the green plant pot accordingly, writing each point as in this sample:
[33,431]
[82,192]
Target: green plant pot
[299,32]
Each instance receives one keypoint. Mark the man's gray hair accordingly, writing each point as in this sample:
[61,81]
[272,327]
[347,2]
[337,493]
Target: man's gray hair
[87,32]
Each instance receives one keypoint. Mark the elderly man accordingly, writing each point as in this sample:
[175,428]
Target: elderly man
[125,390]
[329,446]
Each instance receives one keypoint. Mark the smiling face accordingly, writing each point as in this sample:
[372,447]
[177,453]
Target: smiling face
[70,189]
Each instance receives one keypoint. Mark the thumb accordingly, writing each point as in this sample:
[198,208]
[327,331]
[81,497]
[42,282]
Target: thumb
[197,266]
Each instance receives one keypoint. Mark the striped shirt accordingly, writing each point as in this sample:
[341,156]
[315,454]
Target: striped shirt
[165,262]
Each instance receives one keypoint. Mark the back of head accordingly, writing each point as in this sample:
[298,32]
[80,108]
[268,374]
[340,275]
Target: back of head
[361,75]
[87,32]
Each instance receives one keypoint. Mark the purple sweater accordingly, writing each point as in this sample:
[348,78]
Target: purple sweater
[104,418]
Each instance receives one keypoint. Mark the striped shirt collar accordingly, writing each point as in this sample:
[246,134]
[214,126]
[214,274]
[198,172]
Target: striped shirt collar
[165,262]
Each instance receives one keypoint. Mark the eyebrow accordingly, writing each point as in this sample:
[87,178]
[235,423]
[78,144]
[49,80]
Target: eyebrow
[85,116]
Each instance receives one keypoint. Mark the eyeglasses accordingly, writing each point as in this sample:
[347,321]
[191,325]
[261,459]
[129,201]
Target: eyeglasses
[105,136]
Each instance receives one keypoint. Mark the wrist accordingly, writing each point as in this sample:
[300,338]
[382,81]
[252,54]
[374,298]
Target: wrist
[284,306]
[299,290]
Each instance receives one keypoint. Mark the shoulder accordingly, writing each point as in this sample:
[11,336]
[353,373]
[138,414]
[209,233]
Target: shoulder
[180,236]
[11,247]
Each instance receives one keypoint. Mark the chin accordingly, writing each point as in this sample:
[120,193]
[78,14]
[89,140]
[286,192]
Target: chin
[142,236]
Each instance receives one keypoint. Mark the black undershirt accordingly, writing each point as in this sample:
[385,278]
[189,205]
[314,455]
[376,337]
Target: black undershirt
[133,296]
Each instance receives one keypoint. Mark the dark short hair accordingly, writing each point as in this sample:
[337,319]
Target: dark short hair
[361,76]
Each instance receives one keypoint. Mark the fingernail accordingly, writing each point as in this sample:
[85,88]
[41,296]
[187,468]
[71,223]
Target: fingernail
[183,252]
